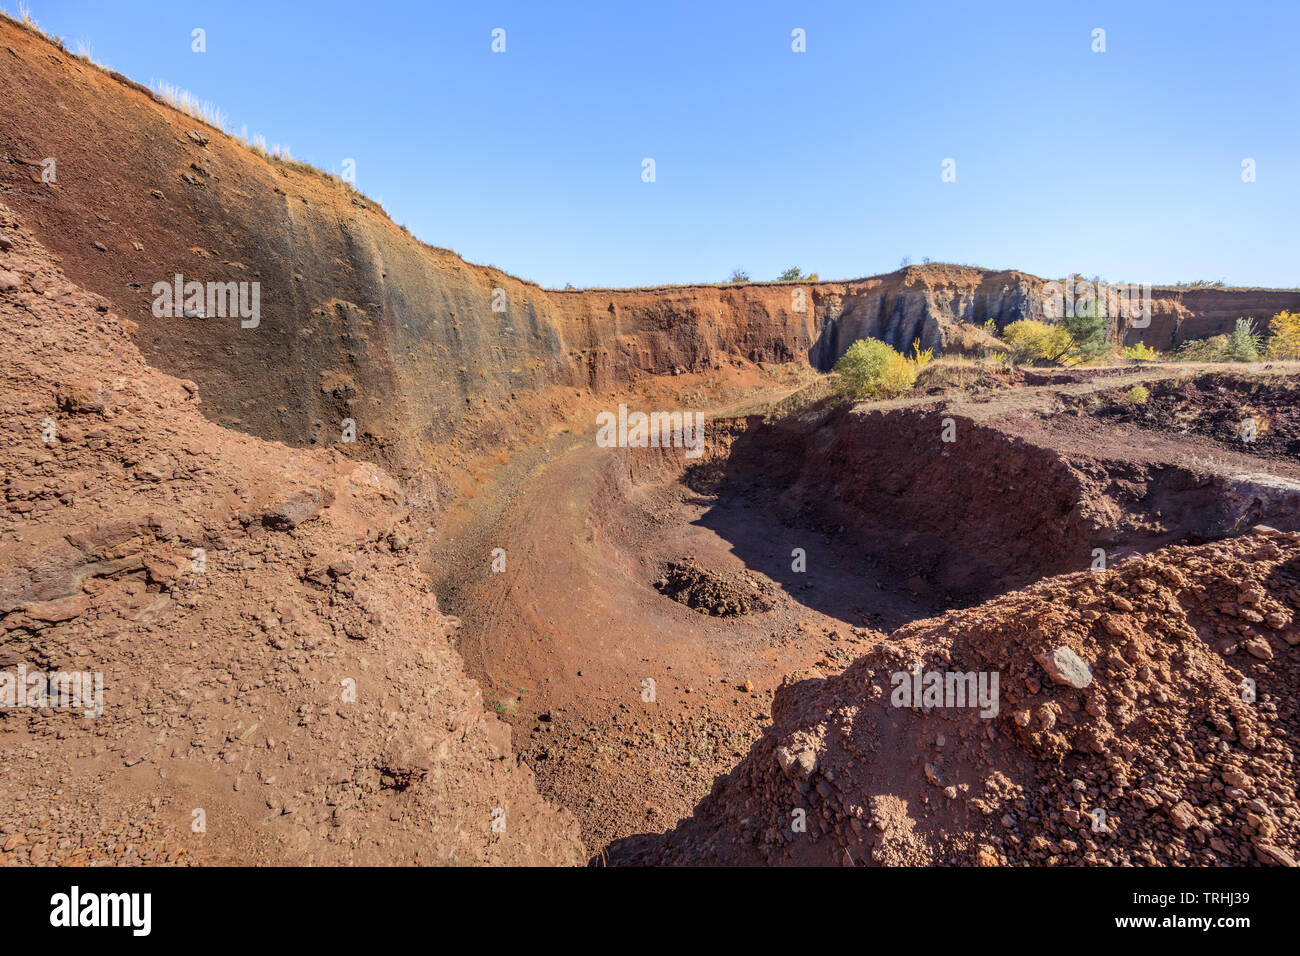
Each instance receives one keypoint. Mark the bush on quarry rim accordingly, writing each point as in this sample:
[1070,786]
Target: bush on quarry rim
[873,369]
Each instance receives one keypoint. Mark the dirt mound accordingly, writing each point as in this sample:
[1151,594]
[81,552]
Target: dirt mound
[276,681]
[1144,715]
[975,377]
[722,595]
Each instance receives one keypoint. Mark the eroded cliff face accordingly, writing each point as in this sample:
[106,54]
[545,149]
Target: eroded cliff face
[363,327]
[1178,315]
[944,307]
[358,320]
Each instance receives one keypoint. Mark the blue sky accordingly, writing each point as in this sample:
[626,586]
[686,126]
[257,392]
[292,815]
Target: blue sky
[1125,164]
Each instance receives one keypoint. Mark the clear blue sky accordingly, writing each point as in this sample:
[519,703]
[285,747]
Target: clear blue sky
[1125,164]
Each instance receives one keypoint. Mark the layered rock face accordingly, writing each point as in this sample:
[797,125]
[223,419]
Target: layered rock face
[942,307]
[1178,315]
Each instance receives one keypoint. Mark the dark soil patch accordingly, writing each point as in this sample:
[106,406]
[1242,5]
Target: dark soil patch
[1258,416]
[721,595]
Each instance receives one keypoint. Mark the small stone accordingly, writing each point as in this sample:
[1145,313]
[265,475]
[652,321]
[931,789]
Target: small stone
[299,508]
[1259,648]
[796,764]
[1235,778]
[1182,816]
[1066,667]
[1113,625]
[1273,855]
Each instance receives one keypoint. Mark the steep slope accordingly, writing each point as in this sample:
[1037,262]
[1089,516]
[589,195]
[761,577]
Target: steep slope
[941,306]
[273,664]
[945,306]
[358,319]
[1178,315]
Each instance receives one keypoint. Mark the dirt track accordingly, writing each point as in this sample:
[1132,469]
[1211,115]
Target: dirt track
[574,626]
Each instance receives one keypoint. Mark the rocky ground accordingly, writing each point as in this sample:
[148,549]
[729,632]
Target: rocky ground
[1258,413]
[1147,718]
[722,595]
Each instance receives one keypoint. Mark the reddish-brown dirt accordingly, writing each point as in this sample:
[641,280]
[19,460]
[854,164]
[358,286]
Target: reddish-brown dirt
[896,525]
[1254,414]
[624,702]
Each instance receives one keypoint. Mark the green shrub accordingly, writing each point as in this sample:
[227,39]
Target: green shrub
[1244,343]
[1141,352]
[1030,341]
[1089,335]
[1203,350]
[872,369]
[1137,395]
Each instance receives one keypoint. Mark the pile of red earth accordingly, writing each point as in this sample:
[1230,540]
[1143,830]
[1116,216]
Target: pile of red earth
[278,684]
[721,595]
[1146,716]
